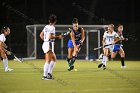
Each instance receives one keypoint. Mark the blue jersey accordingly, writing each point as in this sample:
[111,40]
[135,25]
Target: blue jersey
[77,34]
[118,45]
[120,37]
[78,37]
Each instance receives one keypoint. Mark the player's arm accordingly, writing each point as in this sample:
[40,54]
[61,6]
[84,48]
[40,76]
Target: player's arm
[42,35]
[73,40]
[123,38]
[83,35]
[116,39]
[104,37]
[3,47]
[52,36]
[103,41]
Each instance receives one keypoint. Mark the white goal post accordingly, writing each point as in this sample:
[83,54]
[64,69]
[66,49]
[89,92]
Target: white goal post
[33,35]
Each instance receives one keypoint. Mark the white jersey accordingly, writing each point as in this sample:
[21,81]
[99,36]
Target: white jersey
[109,38]
[2,38]
[48,29]
[48,43]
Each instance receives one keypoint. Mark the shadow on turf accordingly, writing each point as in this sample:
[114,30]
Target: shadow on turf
[60,81]
[131,82]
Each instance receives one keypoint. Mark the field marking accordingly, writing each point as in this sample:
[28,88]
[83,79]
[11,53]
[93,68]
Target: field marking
[74,91]
[21,92]
[91,90]
[117,74]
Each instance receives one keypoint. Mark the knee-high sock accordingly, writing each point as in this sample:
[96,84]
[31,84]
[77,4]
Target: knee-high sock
[72,61]
[5,62]
[122,61]
[46,67]
[51,66]
[104,61]
[68,61]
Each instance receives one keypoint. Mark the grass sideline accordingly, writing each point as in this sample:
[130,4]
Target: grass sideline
[26,78]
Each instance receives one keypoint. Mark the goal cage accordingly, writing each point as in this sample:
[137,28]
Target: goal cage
[93,37]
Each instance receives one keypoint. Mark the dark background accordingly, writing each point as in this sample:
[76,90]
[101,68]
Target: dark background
[19,13]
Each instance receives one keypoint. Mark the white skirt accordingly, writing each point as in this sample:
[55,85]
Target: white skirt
[46,46]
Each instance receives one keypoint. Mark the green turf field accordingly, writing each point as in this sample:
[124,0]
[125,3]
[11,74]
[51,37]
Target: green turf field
[26,78]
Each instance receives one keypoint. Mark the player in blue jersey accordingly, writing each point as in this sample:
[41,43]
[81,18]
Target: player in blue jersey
[118,46]
[77,38]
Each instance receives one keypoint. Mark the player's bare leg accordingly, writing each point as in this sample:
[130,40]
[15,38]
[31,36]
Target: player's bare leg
[5,62]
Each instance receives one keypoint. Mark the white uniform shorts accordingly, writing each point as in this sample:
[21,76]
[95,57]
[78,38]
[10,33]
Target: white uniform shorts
[46,46]
[110,48]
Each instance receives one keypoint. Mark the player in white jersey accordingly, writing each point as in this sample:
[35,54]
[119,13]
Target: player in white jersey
[48,36]
[108,38]
[3,53]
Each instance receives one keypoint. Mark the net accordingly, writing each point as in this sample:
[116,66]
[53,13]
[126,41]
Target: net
[93,35]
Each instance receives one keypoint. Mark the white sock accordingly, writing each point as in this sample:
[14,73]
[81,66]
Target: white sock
[46,67]
[104,60]
[5,62]
[52,64]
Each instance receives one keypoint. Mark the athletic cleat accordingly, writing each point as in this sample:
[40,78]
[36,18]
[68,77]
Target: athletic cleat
[100,65]
[71,68]
[50,75]
[104,67]
[8,70]
[47,78]
[123,66]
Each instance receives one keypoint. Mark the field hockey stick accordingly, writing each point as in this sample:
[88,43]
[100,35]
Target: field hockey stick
[11,53]
[67,33]
[17,58]
[102,47]
[79,49]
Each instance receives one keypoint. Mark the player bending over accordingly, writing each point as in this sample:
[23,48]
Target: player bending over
[118,46]
[108,38]
[77,38]
[5,31]
[48,36]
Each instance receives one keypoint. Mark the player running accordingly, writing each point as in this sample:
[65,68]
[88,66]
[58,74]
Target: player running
[118,46]
[77,38]
[3,52]
[48,36]
[108,38]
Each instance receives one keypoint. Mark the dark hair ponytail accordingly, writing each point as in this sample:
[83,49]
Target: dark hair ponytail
[74,21]
[119,25]
[52,18]
[4,28]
